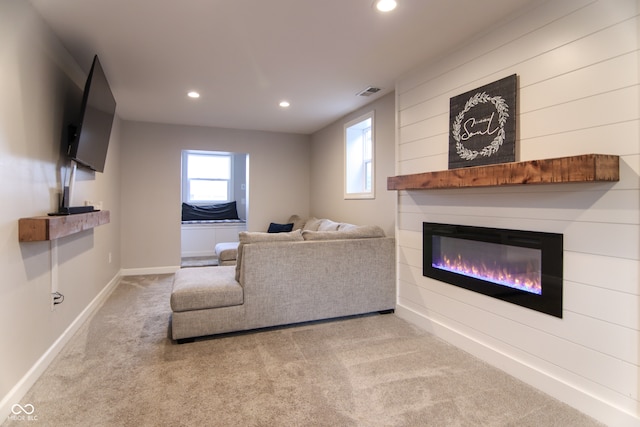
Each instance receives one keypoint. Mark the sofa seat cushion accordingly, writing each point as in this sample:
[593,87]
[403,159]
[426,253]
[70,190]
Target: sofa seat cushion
[227,251]
[202,288]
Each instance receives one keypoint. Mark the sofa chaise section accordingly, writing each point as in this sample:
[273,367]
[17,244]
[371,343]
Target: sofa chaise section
[205,298]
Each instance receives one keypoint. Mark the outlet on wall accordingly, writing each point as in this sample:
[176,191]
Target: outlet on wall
[109,257]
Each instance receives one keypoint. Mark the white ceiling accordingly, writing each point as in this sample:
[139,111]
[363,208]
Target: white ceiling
[244,56]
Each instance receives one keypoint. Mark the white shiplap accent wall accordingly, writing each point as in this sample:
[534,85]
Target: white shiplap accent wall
[578,74]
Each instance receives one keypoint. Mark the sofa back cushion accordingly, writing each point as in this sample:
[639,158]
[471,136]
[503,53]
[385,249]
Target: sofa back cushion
[312,224]
[298,222]
[246,237]
[355,232]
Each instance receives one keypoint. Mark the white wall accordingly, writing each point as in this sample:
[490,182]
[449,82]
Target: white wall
[577,62]
[327,170]
[39,83]
[150,161]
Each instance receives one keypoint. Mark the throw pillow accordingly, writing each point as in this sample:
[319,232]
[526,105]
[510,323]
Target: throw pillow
[279,228]
[328,225]
[346,226]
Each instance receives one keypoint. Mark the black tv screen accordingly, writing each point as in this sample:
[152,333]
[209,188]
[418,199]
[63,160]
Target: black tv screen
[90,138]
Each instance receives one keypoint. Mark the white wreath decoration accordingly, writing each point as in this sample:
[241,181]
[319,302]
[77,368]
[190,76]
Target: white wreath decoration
[503,115]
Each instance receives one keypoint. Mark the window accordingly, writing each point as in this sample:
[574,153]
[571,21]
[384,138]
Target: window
[206,177]
[359,146]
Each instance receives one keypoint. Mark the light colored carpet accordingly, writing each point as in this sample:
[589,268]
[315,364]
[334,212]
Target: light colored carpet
[121,369]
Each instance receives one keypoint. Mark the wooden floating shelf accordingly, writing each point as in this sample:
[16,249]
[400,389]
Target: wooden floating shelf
[41,228]
[582,168]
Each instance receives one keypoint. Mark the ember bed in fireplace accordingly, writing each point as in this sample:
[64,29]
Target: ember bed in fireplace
[521,267]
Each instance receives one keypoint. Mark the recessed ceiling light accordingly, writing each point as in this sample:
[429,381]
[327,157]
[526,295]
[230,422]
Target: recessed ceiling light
[386,5]
[193,94]
[284,104]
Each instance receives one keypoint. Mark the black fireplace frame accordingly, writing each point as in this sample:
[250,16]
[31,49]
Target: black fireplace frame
[550,244]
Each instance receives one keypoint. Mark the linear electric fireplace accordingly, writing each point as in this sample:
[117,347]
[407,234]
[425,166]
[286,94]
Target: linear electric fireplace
[521,267]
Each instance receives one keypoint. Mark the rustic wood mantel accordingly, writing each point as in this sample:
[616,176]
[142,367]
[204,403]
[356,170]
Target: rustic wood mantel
[43,228]
[582,168]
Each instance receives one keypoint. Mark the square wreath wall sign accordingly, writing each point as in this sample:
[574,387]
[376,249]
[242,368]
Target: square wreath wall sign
[483,125]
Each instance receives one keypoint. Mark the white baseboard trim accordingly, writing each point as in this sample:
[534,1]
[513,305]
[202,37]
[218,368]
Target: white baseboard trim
[556,387]
[189,254]
[149,270]
[18,392]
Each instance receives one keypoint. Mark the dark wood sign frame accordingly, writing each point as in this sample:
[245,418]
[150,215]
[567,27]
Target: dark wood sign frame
[483,125]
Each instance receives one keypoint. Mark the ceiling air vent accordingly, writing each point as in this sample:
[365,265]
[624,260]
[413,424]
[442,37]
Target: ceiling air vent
[369,91]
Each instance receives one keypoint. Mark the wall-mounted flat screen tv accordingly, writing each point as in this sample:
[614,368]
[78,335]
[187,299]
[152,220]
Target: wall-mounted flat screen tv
[89,138]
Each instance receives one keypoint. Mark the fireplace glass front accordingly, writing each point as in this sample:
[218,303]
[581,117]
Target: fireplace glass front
[521,267]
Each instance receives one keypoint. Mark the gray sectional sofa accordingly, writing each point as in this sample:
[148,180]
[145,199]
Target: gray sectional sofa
[321,270]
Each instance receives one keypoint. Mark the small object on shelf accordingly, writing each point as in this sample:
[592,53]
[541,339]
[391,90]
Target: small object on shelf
[72,210]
